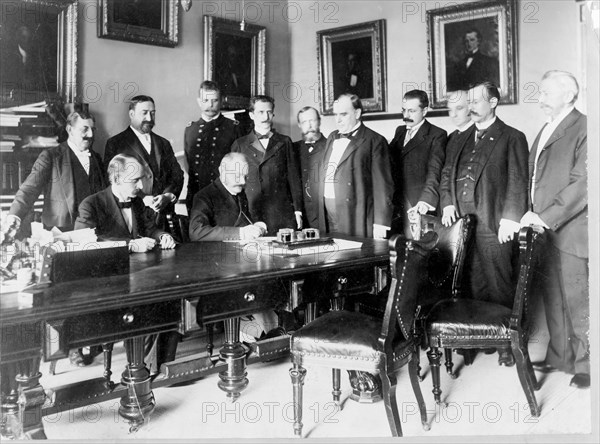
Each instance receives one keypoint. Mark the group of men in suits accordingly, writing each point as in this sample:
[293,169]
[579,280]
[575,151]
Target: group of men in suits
[353,182]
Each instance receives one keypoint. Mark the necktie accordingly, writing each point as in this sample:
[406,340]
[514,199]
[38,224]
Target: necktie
[122,205]
[480,134]
[409,134]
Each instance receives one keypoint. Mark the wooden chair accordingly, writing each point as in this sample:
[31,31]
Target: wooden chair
[470,324]
[356,341]
[445,270]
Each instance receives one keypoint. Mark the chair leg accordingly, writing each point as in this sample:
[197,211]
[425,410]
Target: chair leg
[107,350]
[297,373]
[435,357]
[449,363]
[413,372]
[388,388]
[336,378]
[526,382]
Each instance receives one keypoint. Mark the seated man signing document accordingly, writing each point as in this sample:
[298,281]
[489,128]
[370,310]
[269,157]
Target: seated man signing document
[118,212]
[220,210]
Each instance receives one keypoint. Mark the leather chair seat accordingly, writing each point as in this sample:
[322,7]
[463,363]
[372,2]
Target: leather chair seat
[466,319]
[349,336]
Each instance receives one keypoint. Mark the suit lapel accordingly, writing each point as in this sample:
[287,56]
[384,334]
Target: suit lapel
[416,140]
[561,129]
[114,212]
[274,145]
[66,178]
[488,144]
[157,149]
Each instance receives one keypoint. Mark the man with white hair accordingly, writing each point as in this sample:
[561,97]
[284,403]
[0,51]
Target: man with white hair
[558,202]
[220,210]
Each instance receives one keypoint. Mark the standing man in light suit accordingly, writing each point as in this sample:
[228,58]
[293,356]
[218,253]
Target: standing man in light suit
[355,196]
[558,193]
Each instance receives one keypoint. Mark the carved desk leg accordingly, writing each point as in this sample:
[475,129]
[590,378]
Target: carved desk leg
[138,403]
[233,380]
[10,427]
[22,400]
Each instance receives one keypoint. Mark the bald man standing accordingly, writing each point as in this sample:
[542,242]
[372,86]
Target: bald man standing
[559,202]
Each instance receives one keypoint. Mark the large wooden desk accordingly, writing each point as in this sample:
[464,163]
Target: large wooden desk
[163,291]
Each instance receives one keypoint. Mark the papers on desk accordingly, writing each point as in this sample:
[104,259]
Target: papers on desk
[264,245]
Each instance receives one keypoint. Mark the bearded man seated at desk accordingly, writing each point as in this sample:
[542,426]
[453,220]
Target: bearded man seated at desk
[118,213]
[220,212]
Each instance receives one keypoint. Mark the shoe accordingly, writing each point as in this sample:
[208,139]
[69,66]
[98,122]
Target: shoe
[78,359]
[543,367]
[506,358]
[580,380]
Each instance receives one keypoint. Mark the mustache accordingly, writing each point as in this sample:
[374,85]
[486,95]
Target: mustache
[407,119]
[148,122]
[473,113]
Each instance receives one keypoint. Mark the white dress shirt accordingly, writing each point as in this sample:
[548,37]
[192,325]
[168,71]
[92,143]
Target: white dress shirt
[82,156]
[144,139]
[339,146]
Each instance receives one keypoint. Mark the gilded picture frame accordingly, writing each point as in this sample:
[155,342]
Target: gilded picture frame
[151,22]
[38,51]
[352,59]
[235,59]
[473,42]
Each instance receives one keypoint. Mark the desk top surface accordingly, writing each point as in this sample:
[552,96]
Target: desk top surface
[190,270]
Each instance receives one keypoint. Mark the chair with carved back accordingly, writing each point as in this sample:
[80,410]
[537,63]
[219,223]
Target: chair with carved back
[445,270]
[467,323]
[349,340]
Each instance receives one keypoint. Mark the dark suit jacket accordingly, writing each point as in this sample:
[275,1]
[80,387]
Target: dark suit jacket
[216,215]
[500,179]
[363,184]
[52,174]
[311,166]
[100,211]
[417,167]
[204,145]
[273,187]
[560,197]
[483,67]
[168,178]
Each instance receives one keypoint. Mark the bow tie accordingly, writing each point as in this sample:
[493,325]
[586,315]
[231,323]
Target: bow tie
[122,205]
[263,136]
[85,153]
[343,136]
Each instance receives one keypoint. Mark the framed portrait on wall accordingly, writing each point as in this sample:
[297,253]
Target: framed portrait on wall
[352,59]
[473,42]
[235,59]
[152,22]
[38,51]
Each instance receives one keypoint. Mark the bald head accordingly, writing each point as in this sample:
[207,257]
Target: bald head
[233,171]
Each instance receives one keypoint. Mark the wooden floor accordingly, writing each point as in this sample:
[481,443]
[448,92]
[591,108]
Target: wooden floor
[485,400]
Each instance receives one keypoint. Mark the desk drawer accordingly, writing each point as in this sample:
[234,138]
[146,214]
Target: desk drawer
[109,326]
[242,301]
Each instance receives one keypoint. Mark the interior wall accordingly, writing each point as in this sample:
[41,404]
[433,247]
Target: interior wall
[112,71]
[545,29]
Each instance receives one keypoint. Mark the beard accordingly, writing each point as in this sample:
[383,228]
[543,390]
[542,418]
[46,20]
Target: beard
[310,136]
[146,127]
